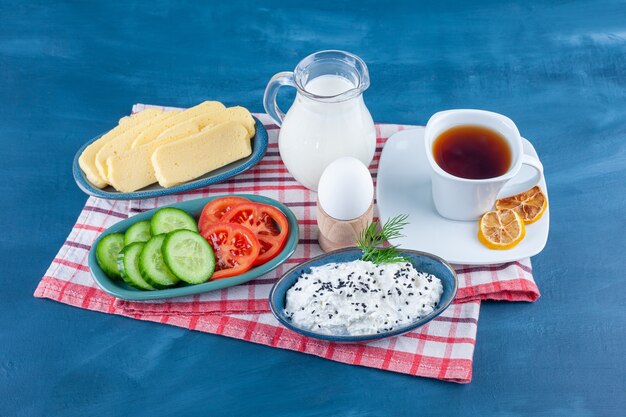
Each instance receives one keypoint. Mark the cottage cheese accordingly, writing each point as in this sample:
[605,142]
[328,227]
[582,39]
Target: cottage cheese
[359,297]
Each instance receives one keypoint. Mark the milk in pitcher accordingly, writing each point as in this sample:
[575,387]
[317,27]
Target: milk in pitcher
[328,118]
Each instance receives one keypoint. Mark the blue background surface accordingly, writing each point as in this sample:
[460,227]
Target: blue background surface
[68,71]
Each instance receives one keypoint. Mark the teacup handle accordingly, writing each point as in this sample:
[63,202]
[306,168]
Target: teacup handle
[269,98]
[511,189]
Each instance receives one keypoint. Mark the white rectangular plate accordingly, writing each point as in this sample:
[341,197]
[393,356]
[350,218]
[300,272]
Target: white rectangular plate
[404,187]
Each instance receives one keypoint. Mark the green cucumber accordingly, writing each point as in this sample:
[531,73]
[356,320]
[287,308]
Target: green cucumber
[169,219]
[189,256]
[106,253]
[138,232]
[151,265]
[128,264]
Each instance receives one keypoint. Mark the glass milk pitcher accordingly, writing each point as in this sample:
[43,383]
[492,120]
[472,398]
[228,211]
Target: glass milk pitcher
[328,118]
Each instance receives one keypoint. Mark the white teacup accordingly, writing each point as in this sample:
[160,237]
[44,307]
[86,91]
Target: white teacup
[467,199]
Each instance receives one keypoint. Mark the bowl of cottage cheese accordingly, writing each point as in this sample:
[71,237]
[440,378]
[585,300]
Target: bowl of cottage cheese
[339,297]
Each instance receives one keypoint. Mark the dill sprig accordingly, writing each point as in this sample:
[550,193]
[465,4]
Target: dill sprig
[371,239]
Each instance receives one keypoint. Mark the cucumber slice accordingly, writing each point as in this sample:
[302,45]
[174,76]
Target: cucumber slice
[106,253]
[128,264]
[169,219]
[138,232]
[189,256]
[151,265]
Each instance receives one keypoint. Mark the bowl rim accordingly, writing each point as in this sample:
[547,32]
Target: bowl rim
[369,337]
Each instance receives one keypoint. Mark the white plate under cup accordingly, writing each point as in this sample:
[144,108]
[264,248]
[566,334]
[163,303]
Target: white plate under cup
[403,186]
[467,199]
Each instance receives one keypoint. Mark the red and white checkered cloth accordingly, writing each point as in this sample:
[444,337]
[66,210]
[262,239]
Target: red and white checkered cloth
[441,349]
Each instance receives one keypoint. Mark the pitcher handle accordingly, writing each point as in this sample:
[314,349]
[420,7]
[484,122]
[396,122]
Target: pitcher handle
[269,98]
[513,188]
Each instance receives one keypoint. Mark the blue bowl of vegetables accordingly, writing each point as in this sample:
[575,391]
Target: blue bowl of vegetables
[161,254]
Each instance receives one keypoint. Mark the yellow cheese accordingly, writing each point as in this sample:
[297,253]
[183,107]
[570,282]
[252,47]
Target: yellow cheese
[133,169]
[151,133]
[87,159]
[129,171]
[194,156]
[236,114]
[188,127]
[122,142]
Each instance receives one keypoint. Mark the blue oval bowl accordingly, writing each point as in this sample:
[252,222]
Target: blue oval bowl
[259,146]
[120,289]
[421,261]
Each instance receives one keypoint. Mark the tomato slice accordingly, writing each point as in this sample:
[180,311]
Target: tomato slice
[215,210]
[268,224]
[236,248]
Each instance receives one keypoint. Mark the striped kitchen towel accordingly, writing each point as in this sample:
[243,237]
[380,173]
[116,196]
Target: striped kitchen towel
[441,349]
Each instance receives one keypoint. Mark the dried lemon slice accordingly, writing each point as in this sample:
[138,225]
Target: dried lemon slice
[501,229]
[530,204]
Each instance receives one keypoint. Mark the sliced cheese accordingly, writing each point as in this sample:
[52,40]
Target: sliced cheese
[122,142]
[236,114]
[87,159]
[151,133]
[194,156]
[133,169]
[188,127]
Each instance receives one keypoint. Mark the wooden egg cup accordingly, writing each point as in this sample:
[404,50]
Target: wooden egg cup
[336,234]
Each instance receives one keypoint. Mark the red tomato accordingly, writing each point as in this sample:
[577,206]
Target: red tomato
[268,224]
[236,248]
[215,210]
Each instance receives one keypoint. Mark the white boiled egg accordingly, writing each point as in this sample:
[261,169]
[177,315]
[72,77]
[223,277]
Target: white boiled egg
[346,189]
